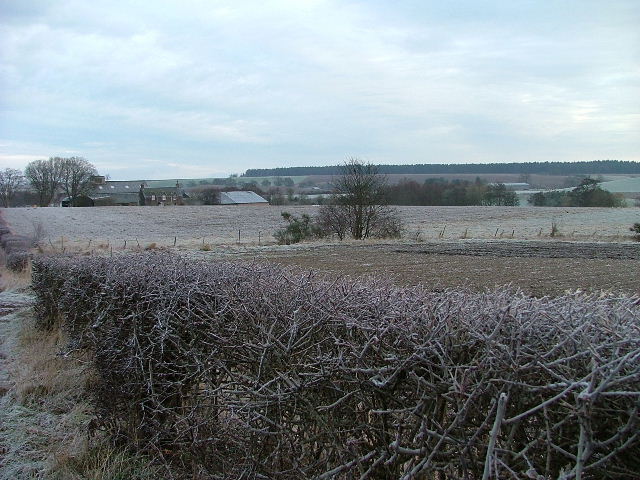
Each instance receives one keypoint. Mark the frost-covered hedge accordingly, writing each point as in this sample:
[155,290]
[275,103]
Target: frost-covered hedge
[15,248]
[252,371]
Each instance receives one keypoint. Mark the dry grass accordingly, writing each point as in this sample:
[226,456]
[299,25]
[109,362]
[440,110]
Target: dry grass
[44,416]
[15,281]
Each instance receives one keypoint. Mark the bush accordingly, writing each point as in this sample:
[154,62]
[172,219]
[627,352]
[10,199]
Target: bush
[18,261]
[636,230]
[251,371]
[15,249]
[587,194]
[14,243]
[297,230]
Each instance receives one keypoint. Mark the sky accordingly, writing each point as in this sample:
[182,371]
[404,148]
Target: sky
[205,88]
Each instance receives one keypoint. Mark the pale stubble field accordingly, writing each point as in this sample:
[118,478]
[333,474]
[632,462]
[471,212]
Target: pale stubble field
[188,225]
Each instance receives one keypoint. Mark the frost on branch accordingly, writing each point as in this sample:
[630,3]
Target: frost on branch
[254,371]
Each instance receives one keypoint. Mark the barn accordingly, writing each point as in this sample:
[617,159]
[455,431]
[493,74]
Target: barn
[128,193]
[241,198]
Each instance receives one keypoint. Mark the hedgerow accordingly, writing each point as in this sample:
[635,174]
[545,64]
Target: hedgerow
[14,249]
[233,370]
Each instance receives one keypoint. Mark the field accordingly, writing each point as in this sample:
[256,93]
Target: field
[220,224]
[476,247]
[43,406]
[537,267]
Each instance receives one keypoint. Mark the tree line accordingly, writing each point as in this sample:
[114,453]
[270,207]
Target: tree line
[439,191]
[72,175]
[595,167]
[587,194]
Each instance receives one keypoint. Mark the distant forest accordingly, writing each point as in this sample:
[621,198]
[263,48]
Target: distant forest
[541,168]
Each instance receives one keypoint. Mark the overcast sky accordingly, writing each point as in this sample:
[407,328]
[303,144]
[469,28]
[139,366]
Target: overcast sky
[166,89]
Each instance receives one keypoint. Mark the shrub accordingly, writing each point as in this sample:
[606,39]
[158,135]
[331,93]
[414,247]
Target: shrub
[251,371]
[587,194]
[14,243]
[297,230]
[636,230]
[18,261]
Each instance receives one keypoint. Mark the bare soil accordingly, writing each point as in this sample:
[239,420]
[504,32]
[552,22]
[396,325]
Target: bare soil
[539,268]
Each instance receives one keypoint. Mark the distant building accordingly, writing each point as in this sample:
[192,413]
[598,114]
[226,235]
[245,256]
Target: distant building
[241,198]
[155,192]
[517,186]
[128,193]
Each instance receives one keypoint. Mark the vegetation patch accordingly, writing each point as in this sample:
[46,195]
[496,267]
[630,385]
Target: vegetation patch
[44,411]
[248,371]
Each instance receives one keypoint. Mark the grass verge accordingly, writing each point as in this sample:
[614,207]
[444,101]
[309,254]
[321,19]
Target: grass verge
[44,412]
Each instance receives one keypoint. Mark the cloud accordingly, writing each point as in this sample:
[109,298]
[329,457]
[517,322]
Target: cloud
[234,85]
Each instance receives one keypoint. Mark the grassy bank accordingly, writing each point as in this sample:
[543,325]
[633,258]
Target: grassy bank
[45,416]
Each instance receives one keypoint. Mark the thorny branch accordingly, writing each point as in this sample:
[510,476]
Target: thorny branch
[253,371]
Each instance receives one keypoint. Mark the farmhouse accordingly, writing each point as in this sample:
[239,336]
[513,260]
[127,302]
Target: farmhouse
[156,192]
[241,198]
[128,193]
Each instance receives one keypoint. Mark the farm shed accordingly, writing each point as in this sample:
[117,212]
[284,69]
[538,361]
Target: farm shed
[115,193]
[514,185]
[241,198]
[127,193]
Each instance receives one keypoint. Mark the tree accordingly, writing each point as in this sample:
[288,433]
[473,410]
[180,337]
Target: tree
[498,194]
[587,194]
[45,177]
[10,182]
[359,204]
[209,195]
[142,201]
[590,194]
[77,175]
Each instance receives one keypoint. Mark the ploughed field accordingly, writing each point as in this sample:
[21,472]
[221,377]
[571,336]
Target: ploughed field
[538,267]
[477,247]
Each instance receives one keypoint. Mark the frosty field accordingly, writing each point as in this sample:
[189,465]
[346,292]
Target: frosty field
[189,225]
[474,247]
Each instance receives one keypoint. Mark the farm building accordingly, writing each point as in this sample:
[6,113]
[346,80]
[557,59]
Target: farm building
[513,186]
[241,198]
[128,193]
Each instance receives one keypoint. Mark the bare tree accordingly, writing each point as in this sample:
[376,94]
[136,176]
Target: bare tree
[45,177]
[10,181]
[73,175]
[359,206]
[77,174]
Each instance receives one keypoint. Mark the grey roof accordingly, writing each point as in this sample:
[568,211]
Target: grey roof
[131,197]
[235,198]
[112,187]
